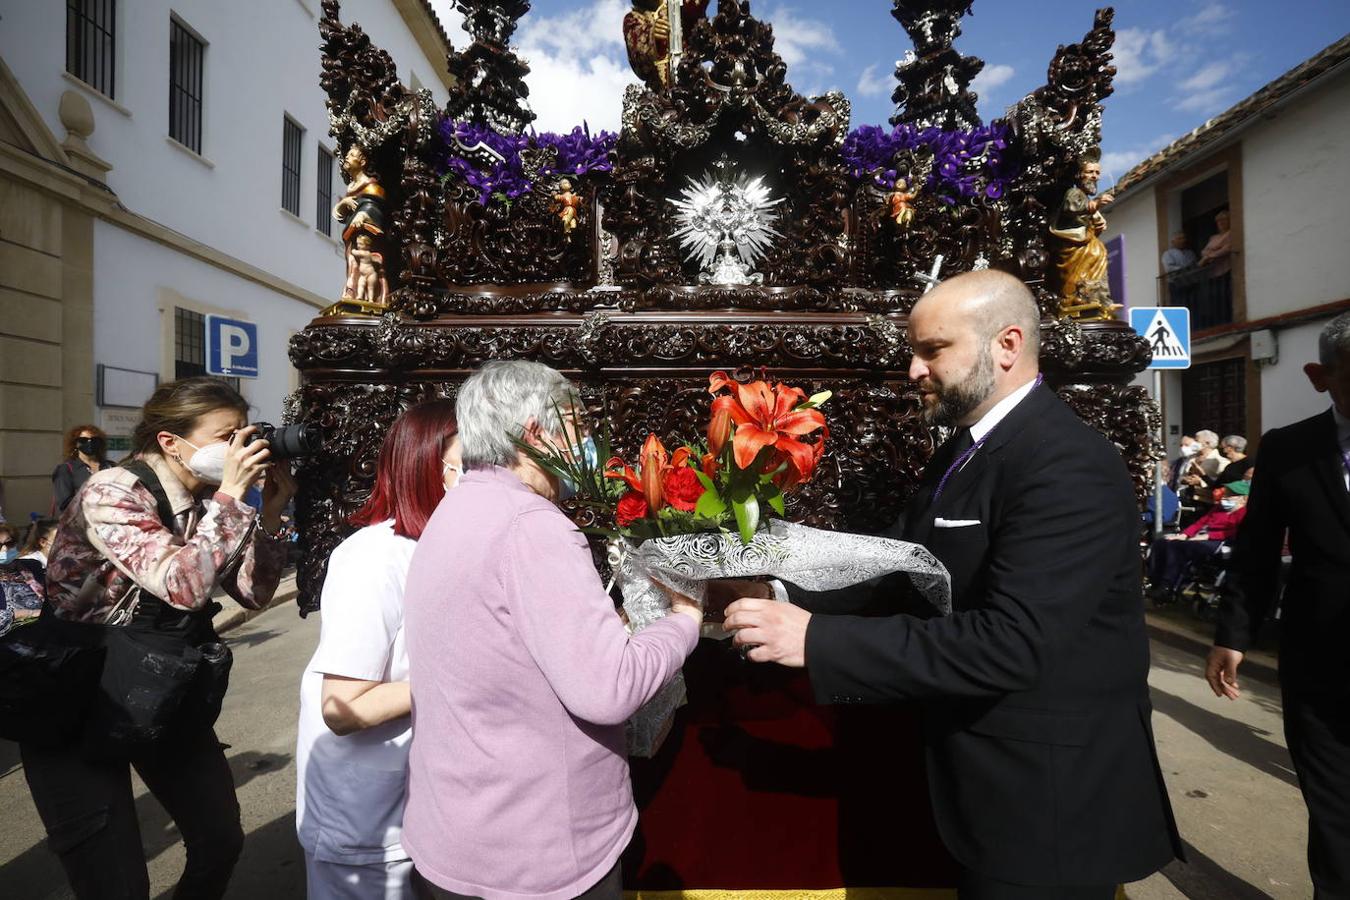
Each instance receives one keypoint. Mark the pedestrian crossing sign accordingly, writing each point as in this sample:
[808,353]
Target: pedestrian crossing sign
[1168,332]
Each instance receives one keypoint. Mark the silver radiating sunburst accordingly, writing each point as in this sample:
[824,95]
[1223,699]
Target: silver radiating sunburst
[726,222]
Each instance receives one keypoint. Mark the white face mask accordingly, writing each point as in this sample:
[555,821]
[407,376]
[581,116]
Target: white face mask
[1190,450]
[1229,503]
[208,463]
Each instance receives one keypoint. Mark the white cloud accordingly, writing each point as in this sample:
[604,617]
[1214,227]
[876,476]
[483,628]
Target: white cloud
[1212,20]
[1207,103]
[1207,77]
[596,27]
[1140,53]
[991,78]
[874,83]
[806,45]
[578,66]
[1115,163]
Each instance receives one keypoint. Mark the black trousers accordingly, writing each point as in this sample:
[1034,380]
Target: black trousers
[608,888]
[1317,729]
[978,887]
[90,814]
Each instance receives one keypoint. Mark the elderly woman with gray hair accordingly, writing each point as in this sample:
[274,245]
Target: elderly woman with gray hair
[522,673]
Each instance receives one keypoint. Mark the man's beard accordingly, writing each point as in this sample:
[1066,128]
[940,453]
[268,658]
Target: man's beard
[953,402]
[1088,186]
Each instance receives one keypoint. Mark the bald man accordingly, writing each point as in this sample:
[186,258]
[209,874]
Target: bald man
[1041,765]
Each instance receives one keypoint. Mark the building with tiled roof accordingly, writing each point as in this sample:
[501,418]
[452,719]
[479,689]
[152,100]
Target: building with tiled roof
[1273,171]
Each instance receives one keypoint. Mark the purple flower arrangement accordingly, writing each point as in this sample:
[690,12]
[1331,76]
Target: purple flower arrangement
[965,163]
[505,179]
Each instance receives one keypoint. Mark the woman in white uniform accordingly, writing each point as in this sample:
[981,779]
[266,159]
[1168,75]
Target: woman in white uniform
[352,752]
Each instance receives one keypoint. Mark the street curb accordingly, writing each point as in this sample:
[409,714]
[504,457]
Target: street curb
[1252,668]
[233,616]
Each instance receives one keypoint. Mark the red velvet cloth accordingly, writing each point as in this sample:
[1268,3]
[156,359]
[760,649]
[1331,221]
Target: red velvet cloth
[757,787]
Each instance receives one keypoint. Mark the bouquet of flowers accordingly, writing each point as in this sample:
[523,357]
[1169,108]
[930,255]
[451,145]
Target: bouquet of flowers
[716,509]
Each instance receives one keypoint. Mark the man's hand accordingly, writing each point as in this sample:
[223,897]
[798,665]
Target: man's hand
[774,632]
[1221,672]
[726,591]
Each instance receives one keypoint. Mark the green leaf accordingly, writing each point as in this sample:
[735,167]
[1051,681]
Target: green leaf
[704,480]
[774,497]
[710,506]
[747,517]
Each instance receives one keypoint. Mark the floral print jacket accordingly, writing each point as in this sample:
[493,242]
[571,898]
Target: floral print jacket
[111,539]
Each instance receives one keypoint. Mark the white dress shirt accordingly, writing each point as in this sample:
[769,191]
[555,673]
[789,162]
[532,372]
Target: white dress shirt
[1343,436]
[1000,411]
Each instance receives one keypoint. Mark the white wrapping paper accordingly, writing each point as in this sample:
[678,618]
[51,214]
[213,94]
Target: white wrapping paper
[808,557]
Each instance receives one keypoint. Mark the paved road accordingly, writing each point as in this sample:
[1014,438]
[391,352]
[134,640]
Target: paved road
[1227,768]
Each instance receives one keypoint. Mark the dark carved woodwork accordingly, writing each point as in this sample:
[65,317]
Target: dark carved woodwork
[618,308]
[934,88]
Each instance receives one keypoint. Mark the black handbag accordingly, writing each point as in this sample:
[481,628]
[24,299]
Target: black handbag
[48,674]
[165,671]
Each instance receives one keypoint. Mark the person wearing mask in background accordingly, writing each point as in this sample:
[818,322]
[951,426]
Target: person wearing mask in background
[86,453]
[1303,489]
[1185,464]
[163,529]
[23,578]
[9,542]
[351,755]
[1170,553]
[522,673]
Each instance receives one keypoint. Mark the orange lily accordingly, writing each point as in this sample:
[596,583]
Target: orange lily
[768,417]
[654,464]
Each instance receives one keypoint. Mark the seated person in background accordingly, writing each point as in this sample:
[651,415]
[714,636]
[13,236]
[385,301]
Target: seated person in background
[1178,256]
[9,542]
[1170,553]
[1171,503]
[23,578]
[37,544]
[1234,449]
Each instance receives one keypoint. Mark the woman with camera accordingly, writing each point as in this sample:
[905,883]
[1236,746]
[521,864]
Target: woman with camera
[140,550]
[351,758]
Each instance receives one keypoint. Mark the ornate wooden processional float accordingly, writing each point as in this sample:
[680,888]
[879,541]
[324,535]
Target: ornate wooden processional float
[735,224]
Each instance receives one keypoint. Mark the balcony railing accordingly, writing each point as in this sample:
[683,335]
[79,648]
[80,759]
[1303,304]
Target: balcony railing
[1207,291]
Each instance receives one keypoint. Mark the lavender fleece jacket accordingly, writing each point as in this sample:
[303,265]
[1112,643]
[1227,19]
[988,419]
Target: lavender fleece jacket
[522,678]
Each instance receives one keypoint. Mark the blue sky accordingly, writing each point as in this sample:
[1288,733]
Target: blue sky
[1180,62]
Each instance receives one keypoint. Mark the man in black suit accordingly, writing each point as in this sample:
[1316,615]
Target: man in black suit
[1041,763]
[1302,487]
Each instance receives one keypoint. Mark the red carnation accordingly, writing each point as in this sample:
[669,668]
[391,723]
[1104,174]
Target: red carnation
[682,489]
[632,506]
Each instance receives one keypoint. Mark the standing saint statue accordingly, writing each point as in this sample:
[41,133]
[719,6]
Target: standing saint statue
[361,212]
[1078,257]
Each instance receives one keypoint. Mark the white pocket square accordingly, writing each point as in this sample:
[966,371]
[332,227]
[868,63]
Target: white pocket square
[940,522]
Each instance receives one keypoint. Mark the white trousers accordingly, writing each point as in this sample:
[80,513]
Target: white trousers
[373,881]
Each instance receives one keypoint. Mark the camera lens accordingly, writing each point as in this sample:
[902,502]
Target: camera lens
[289,441]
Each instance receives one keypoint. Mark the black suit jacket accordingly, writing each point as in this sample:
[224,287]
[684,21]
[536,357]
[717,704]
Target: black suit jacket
[1041,761]
[1299,487]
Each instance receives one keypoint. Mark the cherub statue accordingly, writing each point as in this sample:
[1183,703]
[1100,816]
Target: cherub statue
[567,205]
[365,273]
[900,204]
[1078,265]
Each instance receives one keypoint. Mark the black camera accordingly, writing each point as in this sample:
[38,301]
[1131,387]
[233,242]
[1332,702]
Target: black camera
[288,441]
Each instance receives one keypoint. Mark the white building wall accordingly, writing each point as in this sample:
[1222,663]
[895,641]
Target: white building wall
[1295,194]
[1136,219]
[1286,394]
[261,62]
[139,283]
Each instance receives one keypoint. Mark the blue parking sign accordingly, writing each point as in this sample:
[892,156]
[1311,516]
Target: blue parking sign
[1168,332]
[231,347]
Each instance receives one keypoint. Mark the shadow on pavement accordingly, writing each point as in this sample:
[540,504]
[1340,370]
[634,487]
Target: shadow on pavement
[252,639]
[1229,736]
[36,872]
[1201,878]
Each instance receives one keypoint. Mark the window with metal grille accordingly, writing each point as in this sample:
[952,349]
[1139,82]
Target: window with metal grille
[323,202]
[91,43]
[187,54]
[292,137]
[1214,396]
[189,345]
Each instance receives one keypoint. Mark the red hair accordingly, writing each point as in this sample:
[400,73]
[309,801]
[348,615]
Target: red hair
[409,477]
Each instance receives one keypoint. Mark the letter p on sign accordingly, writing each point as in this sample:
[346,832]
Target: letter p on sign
[231,347]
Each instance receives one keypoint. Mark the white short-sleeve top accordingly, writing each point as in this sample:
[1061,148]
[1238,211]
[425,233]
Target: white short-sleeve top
[350,789]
